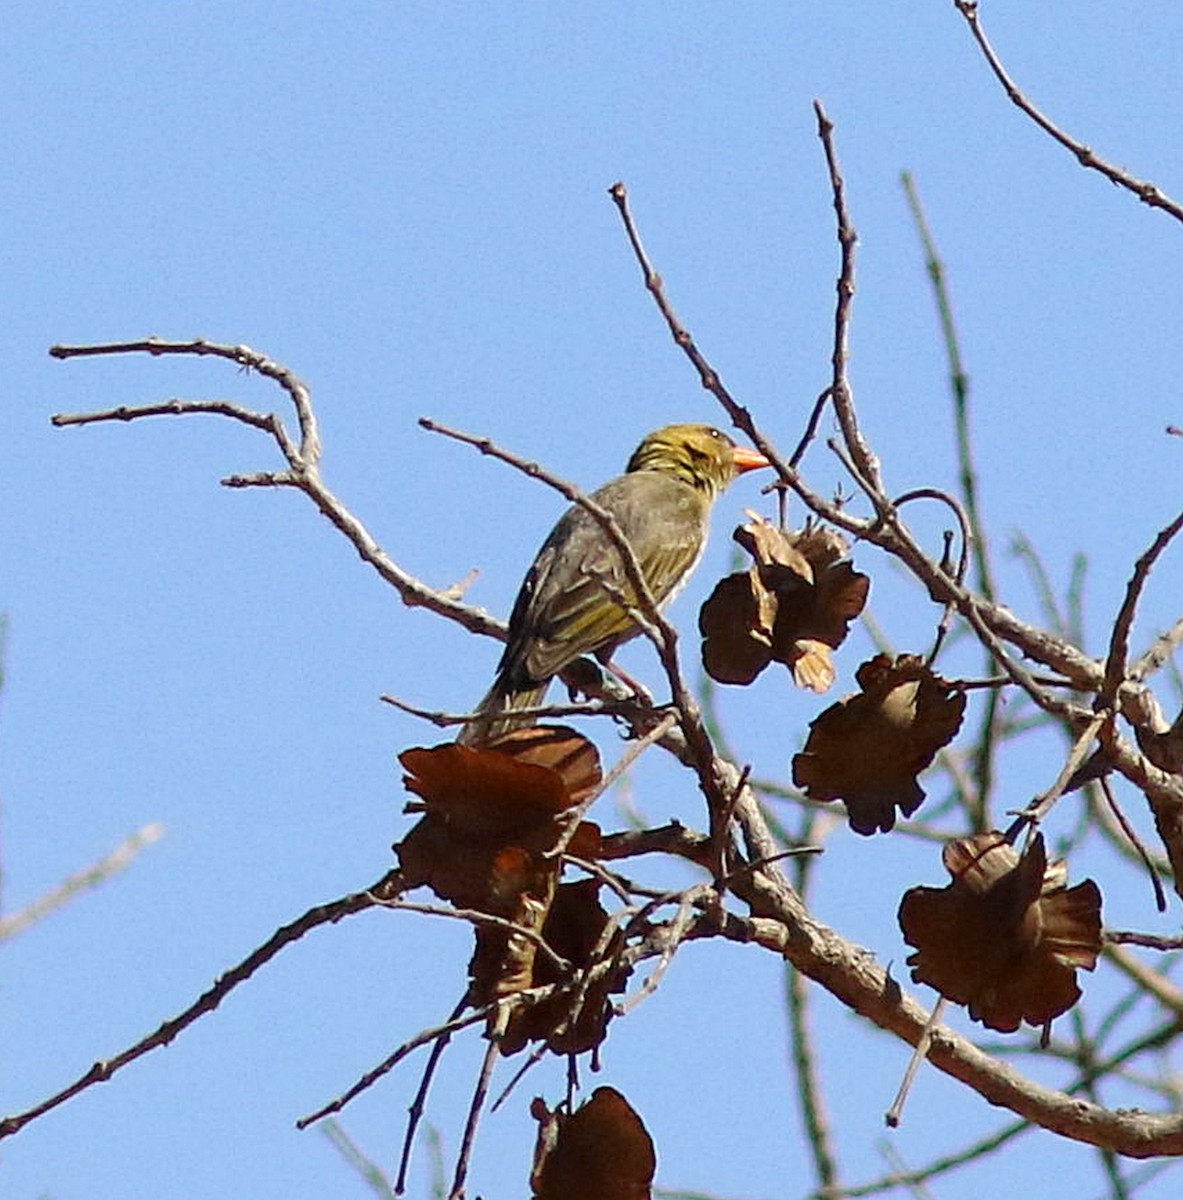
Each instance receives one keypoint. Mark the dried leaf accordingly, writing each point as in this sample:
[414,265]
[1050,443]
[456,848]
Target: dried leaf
[867,749]
[570,755]
[492,816]
[773,547]
[1007,935]
[736,626]
[793,606]
[574,928]
[813,665]
[602,1151]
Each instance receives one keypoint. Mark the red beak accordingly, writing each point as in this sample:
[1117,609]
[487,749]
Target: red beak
[749,460]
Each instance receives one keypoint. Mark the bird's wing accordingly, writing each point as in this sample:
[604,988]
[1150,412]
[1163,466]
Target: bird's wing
[564,609]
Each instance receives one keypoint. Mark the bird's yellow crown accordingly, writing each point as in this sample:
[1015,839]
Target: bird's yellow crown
[700,455]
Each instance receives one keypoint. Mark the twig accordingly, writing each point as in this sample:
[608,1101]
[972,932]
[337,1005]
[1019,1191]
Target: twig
[447,1029]
[443,720]
[1151,941]
[673,936]
[958,509]
[1147,192]
[1159,653]
[480,1093]
[322,914]
[1160,898]
[1119,640]
[418,1104]
[474,916]
[1147,982]
[369,1170]
[1042,805]
[986,742]
[244,356]
[919,1054]
[118,860]
[811,427]
[302,458]
[707,375]
[632,753]
[840,393]
[810,1093]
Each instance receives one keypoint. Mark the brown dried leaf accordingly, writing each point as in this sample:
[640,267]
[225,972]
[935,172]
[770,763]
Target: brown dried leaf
[487,807]
[793,605]
[736,626]
[602,1151]
[773,547]
[1006,936]
[504,960]
[574,927]
[821,614]
[867,749]
[813,665]
[821,545]
[570,755]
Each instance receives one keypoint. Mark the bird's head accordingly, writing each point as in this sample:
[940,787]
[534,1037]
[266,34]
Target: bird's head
[699,455]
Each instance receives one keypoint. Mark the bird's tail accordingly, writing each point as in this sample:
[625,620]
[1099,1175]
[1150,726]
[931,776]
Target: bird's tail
[494,715]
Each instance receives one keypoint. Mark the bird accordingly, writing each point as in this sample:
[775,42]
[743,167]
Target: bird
[566,606]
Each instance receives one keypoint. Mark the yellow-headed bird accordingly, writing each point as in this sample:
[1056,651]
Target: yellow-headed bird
[662,503]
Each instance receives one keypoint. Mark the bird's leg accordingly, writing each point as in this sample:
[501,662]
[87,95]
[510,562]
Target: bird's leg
[642,693]
[583,677]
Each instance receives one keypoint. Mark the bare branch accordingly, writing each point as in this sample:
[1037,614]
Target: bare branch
[118,860]
[244,356]
[303,461]
[1119,640]
[840,393]
[322,914]
[1147,192]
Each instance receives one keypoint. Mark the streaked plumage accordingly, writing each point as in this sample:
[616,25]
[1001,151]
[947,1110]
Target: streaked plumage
[663,504]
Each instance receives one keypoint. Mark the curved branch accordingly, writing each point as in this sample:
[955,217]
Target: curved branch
[845,970]
[100,1072]
[1147,192]
[303,461]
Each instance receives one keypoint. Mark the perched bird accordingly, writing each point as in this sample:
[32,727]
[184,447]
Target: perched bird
[662,504]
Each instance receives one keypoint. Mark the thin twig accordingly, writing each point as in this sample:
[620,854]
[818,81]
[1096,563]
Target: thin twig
[840,393]
[1119,639]
[474,916]
[118,860]
[447,1029]
[1147,192]
[349,1150]
[244,356]
[419,1103]
[1152,941]
[444,720]
[322,914]
[707,375]
[480,1092]
[986,742]
[1159,653]
[1160,898]
[1042,805]
[806,1060]
[919,1053]
[302,458]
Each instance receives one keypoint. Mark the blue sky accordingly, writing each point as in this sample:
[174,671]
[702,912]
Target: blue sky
[407,204]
